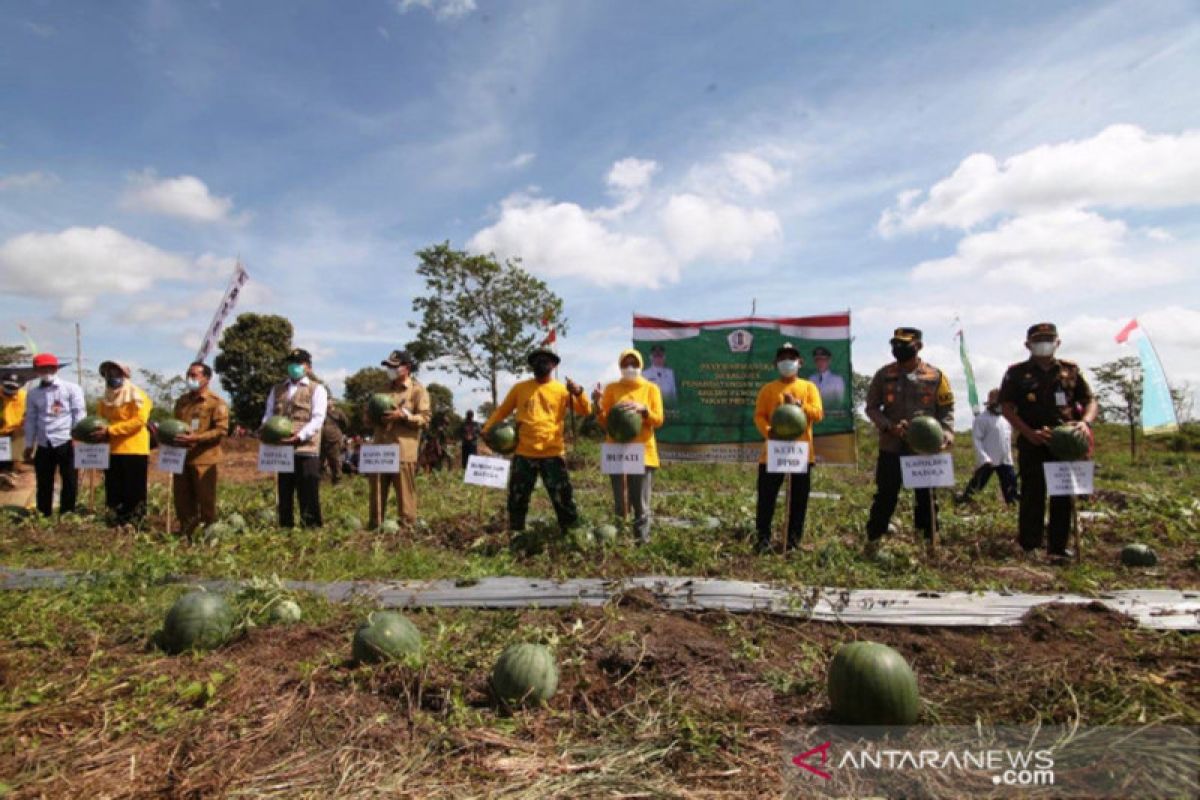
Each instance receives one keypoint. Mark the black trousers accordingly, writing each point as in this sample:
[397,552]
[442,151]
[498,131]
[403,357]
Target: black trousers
[1004,473]
[46,462]
[889,480]
[1031,526]
[768,494]
[304,484]
[468,449]
[125,488]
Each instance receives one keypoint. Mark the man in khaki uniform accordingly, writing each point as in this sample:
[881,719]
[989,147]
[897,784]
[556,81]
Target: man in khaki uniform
[905,389]
[207,418]
[401,426]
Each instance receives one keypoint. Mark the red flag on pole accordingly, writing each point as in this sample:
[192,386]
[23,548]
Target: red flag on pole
[1123,336]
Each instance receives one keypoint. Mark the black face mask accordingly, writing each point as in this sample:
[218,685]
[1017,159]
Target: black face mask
[542,367]
[903,352]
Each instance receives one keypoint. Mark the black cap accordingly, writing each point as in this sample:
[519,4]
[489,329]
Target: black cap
[398,357]
[784,349]
[543,351]
[1043,330]
[299,356]
[908,335]
[658,350]
[819,352]
[11,380]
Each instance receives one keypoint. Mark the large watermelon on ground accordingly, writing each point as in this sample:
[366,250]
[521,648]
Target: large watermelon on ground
[197,621]
[525,673]
[624,424]
[871,684]
[169,429]
[380,404]
[1138,555]
[84,429]
[1068,443]
[788,421]
[276,430]
[502,438]
[924,436]
[286,612]
[386,636]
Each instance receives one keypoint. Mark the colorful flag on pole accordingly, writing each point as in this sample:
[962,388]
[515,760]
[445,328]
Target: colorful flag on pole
[972,392]
[1158,412]
[240,276]
[551,331]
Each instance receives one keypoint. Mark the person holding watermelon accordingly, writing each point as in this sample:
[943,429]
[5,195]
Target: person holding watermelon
[126,408]
[398,416]
[304,401]
[899,393]
[207,419]
[1036,396]
[541,407]
[775,418]
[630,410]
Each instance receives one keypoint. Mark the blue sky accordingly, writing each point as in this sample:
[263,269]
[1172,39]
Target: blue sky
[913,162]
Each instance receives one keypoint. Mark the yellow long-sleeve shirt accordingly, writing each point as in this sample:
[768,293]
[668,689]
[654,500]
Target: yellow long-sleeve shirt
[12,413]
[127,432]
[541,409]
[770,397]
[645,393]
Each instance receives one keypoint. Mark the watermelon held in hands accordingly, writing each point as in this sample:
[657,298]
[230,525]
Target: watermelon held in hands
[386,636]
[924,436]
[525,674]
[1068,443]
[276,430]
[624,424]
[83,430]
[1138,555]
[379,405]
[197,621]
[170,429]
[788,421]
[871,684]
[502,438]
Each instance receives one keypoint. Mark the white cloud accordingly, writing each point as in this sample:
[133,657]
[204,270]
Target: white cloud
[442,9]
[754,174]
[1123,166]
[186,197]
[699,227]
[28,180]
[737,175]
[521,160]
[631,175]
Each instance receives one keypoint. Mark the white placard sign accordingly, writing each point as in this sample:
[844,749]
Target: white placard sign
[1064,478]
[623,459]
[375,459]
[787,456]
[171,459]
[927,472]
[91,456]
[276,458]
[487,471]
[6,448]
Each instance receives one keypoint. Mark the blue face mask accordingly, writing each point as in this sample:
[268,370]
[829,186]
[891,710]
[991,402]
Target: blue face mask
[115,382]
[295,371]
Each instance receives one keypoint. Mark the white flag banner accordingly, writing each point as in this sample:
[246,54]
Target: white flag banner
[240,276]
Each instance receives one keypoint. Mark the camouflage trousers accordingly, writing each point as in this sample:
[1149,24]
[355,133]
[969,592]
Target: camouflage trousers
[522,477]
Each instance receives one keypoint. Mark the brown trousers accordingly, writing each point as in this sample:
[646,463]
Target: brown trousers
[405,484]
[195,496]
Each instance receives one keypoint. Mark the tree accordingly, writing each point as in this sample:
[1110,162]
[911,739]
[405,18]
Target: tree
[441,399]
[364,383]
[859,384]
[163,392]
[250,362]
[1119,391]
[478,317]
[13,354]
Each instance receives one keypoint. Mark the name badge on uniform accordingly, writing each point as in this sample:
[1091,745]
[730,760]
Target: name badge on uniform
[195,424]
[1060,398]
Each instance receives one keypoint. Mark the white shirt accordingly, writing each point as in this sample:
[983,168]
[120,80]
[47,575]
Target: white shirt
[663,378]
[992,436]
[51,411]
[831,386]
[320,405]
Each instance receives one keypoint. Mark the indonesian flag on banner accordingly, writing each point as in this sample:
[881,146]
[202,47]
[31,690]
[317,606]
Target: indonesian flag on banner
[551,332]
[1123,336]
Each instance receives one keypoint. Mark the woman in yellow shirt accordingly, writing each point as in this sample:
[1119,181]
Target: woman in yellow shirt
[127,410]
[637,394]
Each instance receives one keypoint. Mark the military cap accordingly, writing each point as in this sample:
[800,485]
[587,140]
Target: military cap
[786,348]
[299,356]
[822,352]
[658,350]
[398,357]
[543,351]
[11,381]
[1043,330]
[907,335]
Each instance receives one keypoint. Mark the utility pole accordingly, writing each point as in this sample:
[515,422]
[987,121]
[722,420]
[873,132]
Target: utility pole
[78,355]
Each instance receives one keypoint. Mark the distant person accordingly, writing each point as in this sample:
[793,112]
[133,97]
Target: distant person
[469,438]
[305,401]
[831,385]
[402,426]
[126,409]
[992,436]
[332,441]
[12,421]
[660,374]
[52,408]
[207,418]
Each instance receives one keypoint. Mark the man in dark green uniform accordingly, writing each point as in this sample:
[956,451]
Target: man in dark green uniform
[1036,396]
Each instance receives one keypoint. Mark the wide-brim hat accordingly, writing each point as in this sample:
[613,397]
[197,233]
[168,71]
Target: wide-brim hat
[543,351]
[398,357]
[122,368]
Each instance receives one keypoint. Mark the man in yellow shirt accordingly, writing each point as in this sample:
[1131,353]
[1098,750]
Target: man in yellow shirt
[12,420]
[126,408]
[541,407]
[637,394]
[789,389]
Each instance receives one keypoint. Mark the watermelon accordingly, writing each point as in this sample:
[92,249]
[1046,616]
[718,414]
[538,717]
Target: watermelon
[83,430]
[1138,555]
[351,522]
[276,430]
[236,521]
[605,535]
[502,438]
[386,636]
[624,424]
[525,673]
[286,612]
[380,404]
[871,684]
[198,621]
[788,422]
[168,429]
[217,531]
[265,516]
[924,436]
[1068,443]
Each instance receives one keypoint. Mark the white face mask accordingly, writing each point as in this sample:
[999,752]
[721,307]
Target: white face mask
[630,373]
[393,373]
[788,368]
[193,384]
[1043,348]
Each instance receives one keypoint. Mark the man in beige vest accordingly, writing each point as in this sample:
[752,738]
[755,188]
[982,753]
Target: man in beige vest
[403,427]
[304,401]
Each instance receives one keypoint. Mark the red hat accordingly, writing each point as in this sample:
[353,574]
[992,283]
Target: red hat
[44,360]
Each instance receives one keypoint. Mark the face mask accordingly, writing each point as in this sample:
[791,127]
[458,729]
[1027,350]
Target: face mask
[788,368]
[903,352]
[1043,348]
[47,380]
[542,368]
[295,371]
[393,373]
[193,384]
[115,382]
[630,373]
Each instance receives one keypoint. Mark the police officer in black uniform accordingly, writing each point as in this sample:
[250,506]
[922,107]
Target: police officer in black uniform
[1036,396]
